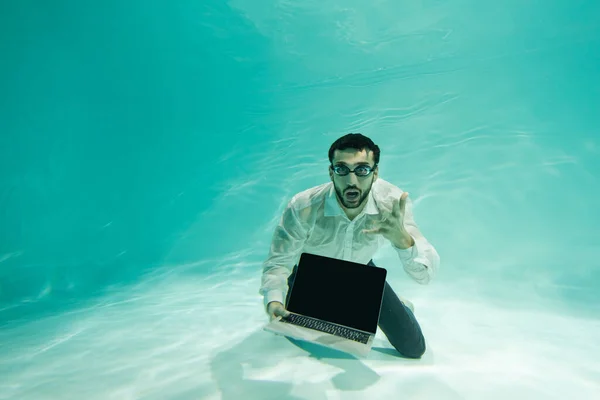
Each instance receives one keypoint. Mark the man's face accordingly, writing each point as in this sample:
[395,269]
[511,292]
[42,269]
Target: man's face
[345,185]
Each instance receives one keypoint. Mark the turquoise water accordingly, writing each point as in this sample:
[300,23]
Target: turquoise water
[147,150]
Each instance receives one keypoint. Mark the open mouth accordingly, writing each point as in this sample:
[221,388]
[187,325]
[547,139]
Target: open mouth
[352,195]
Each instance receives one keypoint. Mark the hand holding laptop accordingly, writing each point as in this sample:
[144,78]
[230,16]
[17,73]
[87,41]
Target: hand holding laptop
[276,309]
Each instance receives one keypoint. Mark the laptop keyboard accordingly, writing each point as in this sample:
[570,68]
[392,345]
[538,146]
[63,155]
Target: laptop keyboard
[326,327]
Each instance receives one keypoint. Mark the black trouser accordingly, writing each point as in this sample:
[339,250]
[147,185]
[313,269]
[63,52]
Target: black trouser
[396,321]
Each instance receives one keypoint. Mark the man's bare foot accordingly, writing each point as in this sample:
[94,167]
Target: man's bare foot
[407,303]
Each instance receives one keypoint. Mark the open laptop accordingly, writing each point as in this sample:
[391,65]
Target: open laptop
[334,303]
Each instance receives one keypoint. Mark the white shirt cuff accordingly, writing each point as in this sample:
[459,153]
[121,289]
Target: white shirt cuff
[407,254]
[273,295]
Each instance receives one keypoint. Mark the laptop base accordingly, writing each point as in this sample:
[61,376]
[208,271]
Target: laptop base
[357,349]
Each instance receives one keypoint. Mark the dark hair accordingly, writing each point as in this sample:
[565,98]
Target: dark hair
[354,141]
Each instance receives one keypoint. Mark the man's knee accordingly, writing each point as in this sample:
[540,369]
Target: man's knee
[415,351]
[411,346]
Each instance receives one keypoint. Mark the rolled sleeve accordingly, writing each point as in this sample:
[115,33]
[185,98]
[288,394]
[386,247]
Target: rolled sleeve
[407,255]
[421,261]
[287,244]
[273,295]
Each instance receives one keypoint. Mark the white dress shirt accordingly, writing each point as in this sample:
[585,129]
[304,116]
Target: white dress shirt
[314,222]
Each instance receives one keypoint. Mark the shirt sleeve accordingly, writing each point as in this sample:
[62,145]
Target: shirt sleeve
[421,261]
[287,243]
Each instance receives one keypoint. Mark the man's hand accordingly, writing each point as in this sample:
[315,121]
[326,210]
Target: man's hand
[276,309]
[391,225]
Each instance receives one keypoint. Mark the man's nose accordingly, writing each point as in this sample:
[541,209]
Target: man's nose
[352,179]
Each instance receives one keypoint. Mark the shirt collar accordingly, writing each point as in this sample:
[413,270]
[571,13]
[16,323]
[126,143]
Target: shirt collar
[333,208]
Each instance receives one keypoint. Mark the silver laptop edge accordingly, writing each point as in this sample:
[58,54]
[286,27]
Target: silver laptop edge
[321,338]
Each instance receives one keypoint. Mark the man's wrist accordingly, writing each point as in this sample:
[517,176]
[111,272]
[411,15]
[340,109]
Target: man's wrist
[404,241]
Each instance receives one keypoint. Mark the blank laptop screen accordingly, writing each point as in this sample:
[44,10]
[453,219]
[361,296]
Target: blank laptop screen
[338,291]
